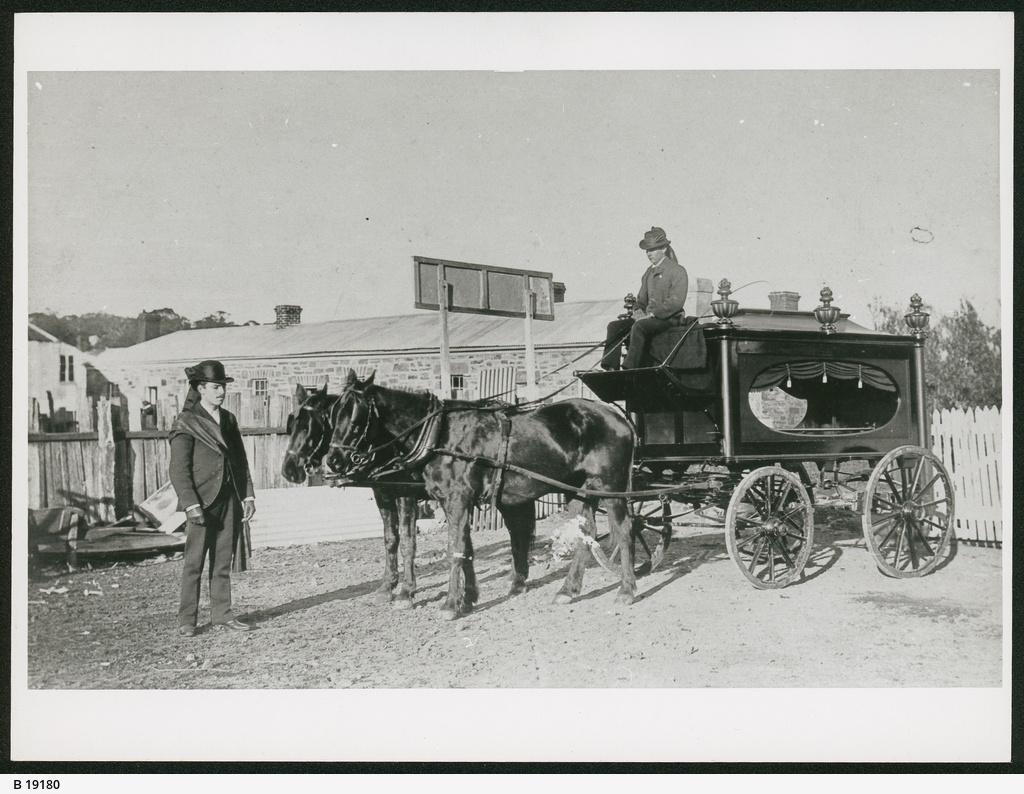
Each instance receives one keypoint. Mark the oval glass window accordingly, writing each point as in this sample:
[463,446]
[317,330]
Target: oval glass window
[823,398]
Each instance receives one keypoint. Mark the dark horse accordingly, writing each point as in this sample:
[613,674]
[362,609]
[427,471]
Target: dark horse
[474,453]
[311,428]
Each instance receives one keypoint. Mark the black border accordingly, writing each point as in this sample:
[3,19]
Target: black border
[1015,766]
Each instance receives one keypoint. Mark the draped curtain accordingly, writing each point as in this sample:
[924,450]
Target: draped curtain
[780,374]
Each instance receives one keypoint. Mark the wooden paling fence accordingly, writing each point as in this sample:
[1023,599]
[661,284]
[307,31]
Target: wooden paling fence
[107,472]
[969,442]
[486,518]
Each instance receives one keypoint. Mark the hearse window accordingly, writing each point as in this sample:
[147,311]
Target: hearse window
[809,398]
[659,428]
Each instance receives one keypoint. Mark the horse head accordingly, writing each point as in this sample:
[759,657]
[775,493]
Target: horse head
[310,429]
[352,445]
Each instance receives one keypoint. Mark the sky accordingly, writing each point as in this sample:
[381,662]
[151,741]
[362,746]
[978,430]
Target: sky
[236,191]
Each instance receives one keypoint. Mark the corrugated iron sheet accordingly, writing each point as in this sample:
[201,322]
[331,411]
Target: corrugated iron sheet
[574,324]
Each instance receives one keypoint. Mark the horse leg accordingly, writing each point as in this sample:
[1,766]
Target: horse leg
[388,514]
[521,522]
[458,509]
[469,572]
[407,524]
[573,584]
[618,522]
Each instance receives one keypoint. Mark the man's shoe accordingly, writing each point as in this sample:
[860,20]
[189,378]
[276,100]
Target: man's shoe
[235,625]
[187,631]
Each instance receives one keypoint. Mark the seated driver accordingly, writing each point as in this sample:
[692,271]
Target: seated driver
[659,304]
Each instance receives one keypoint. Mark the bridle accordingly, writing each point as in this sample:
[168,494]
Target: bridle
[356,442]
[328,421]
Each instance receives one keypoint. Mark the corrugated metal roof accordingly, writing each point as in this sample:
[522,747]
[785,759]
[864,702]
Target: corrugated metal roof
[580,324]
[576,324]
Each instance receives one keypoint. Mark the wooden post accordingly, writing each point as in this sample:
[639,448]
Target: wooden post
[529,300]
[107,459]
[445,391]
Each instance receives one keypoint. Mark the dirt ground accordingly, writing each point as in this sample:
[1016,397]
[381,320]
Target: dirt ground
[696,622]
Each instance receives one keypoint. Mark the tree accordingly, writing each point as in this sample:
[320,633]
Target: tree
[109,330]
[962,356]
[218,319]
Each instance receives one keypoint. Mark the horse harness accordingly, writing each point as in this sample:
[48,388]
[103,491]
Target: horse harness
[362,452]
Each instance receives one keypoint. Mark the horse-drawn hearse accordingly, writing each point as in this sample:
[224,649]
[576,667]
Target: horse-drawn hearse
[750,411]
[784,404]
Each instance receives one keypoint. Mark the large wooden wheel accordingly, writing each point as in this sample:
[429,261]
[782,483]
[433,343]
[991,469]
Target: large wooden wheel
[908,512]
[769,527]
[650,529]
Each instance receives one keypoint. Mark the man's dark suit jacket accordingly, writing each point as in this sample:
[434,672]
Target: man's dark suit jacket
[200,449]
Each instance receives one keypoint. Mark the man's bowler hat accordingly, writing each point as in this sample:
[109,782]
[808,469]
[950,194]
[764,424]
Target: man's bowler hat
[654,239]
[207,372]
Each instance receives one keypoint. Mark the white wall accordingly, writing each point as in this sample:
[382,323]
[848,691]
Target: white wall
[44,375]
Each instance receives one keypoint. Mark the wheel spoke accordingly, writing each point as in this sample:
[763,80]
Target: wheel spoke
[892,485]
[798,527]
[881,543]
[750,521]
[798,509]
[911,547]
[782,497]
[771,560]
[923,539]
[899,546]
[747,541]
[927,487]
[934,502]
[757,554]
[885,502]
[937,526]
[763,497]
[917,473]
[883,519]
[785,554]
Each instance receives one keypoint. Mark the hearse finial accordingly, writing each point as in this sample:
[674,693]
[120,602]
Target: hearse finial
[826,313]
[916,319]
[725,307]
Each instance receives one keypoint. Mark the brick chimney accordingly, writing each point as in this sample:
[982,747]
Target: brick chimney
[784,301]
[287,314]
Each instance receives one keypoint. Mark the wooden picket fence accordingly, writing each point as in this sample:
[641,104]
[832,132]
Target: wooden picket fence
[969,443]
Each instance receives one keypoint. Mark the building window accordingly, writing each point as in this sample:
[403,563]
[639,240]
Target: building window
[63,368]
[458,387]
[259,387]
[71,368]
[151,395]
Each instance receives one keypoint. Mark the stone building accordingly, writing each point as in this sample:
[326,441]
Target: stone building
[486,353]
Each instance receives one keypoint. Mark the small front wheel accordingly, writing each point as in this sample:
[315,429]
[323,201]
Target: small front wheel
[908,512]
[769,527]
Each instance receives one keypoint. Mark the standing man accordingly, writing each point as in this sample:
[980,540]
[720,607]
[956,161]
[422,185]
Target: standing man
[210,474]
[659,304]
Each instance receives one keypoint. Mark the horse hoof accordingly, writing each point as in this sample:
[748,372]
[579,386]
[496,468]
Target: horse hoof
[382,597]
[517,588]
[563,598]
[401,603]
[449,614]
[624,598]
